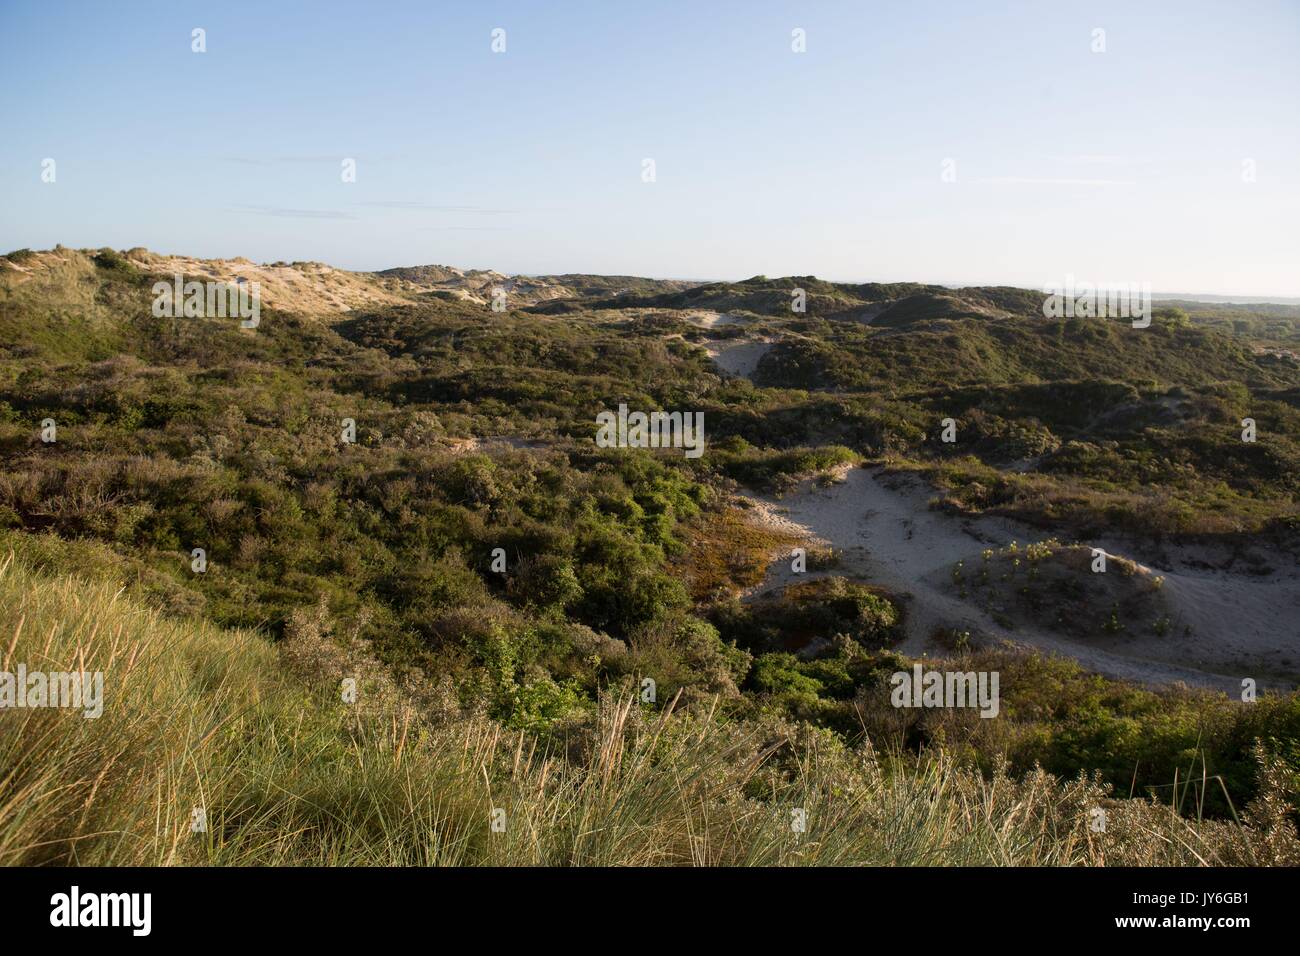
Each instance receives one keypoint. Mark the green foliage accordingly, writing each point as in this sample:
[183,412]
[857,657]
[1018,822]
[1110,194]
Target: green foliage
[810,612]
[474,433]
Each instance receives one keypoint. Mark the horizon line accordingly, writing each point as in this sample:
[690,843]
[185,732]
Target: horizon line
[1225,298]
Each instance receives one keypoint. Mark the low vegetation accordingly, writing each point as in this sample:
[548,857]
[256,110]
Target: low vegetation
[505,587]
[219,750]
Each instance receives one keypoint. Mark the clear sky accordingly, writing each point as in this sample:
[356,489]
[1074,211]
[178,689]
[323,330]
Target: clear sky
[1123,165]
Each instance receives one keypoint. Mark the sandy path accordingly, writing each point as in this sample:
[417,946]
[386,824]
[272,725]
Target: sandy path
[1242,627]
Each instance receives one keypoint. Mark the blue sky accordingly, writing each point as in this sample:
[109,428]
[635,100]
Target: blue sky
[1121,166]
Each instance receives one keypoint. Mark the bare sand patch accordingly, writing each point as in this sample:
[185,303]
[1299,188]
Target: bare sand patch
[739,358]
[1224,626]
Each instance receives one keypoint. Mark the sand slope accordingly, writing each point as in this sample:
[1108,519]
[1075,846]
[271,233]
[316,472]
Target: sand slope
[738,358]
[1241,625]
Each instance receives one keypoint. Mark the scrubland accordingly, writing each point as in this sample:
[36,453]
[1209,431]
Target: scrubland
[516,700]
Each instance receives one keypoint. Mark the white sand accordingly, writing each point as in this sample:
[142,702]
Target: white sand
[736,357]
[1242,625]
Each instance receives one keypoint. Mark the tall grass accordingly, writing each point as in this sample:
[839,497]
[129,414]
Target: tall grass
[287,773]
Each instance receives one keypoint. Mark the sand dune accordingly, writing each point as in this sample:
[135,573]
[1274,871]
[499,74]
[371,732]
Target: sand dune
[1240,626]
[739,358]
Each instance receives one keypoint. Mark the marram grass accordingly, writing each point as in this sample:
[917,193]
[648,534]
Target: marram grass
[285,773]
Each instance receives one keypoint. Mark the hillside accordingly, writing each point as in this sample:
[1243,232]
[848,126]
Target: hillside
[213,725]
[473,437]
[310,288]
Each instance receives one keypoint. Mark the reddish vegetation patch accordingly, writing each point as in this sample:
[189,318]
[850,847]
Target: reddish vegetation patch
[726,552]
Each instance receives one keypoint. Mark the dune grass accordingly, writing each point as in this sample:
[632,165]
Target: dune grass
[288,773]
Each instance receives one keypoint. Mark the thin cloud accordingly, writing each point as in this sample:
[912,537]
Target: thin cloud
[1096,159]
[282,213]
[433,207]
[1052,181]
[280,160]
